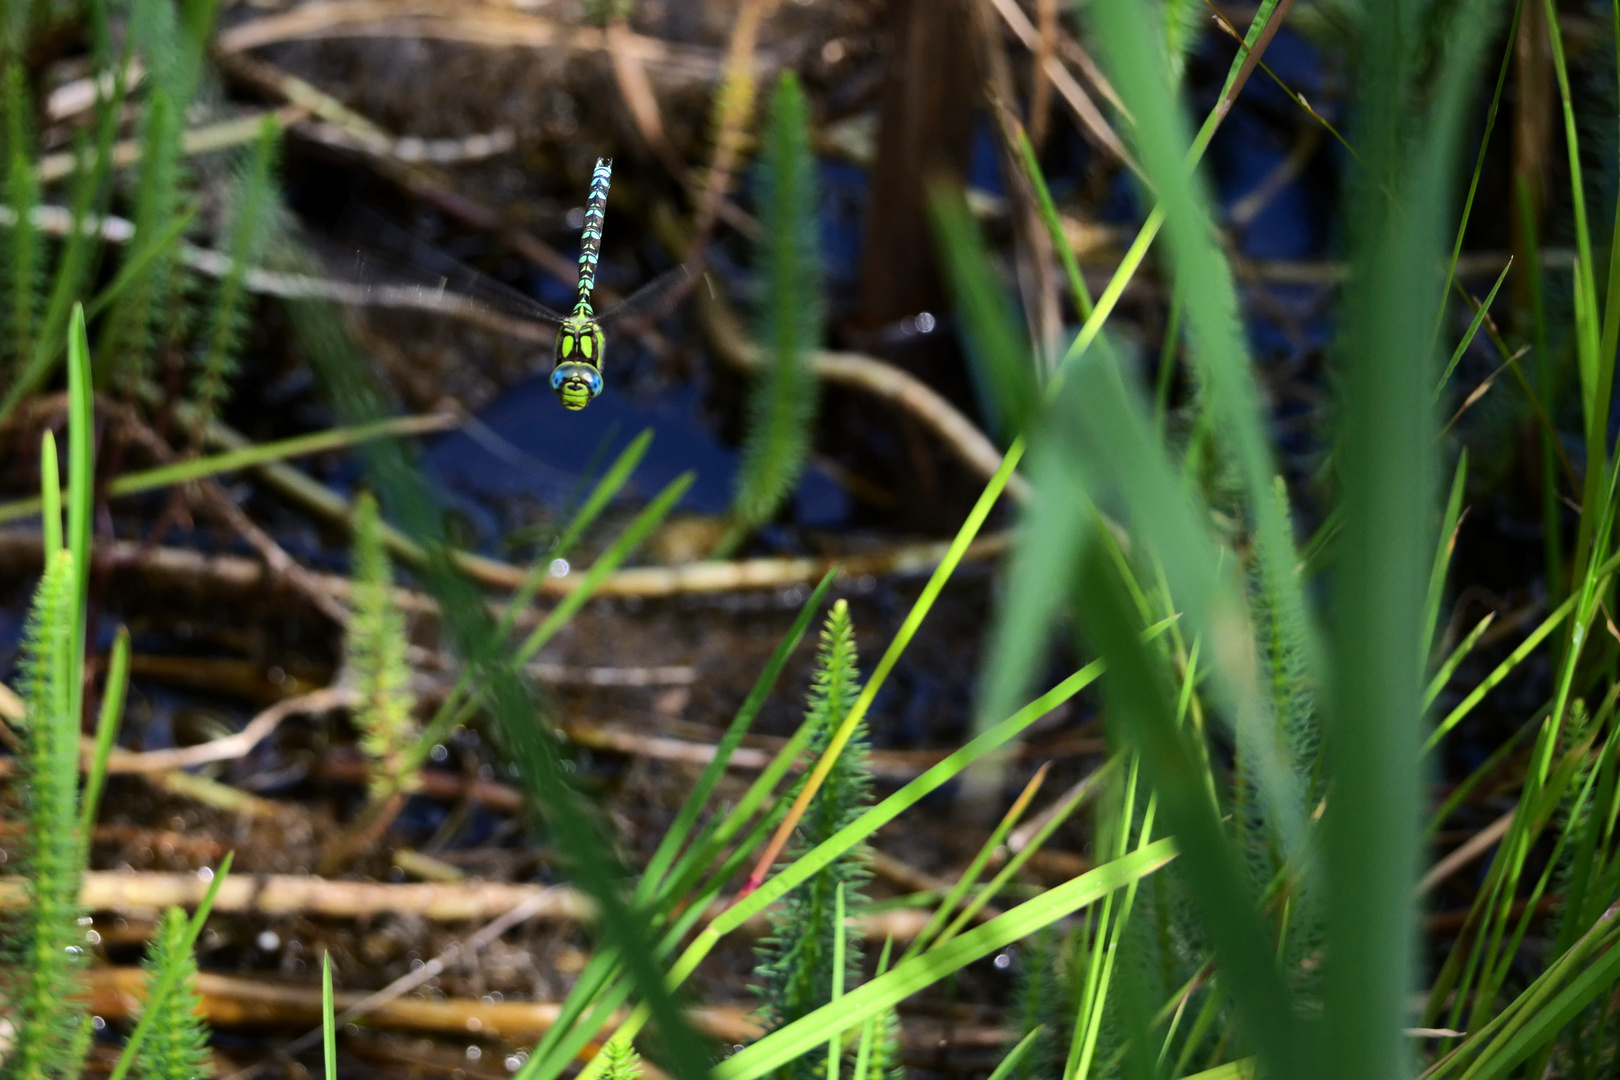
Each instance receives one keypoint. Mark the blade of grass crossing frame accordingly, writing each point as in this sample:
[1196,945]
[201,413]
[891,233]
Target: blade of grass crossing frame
[1448,668]
[1220,355]
[676,835]
[1596,370]
[839,943]
[165,985]
[1370,829]
[602,494]
[1015,1055]
[791,1040]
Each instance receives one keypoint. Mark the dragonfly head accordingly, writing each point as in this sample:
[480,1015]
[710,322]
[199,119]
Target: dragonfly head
[575,384]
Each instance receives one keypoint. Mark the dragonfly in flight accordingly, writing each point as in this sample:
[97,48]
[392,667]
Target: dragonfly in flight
[581,334]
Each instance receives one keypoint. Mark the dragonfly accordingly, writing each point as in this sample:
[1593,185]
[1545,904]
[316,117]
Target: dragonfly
[581,334]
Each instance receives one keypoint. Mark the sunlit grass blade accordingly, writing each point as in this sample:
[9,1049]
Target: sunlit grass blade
[698,797]
[907,978]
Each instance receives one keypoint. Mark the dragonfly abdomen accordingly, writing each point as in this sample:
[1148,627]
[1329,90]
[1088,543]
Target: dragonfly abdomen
[590,245]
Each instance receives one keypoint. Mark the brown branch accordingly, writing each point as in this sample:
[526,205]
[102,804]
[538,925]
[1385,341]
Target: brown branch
[125,893]
[228,1001]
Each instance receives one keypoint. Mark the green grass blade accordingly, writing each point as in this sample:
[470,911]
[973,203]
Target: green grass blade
[698,797]
[1468,335]
[1387,464]
[328,1020]
[112,714]
[787,1043]
[639,529]
[1442,553]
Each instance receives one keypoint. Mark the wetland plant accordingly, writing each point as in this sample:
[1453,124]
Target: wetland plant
[782,402]
[794,973]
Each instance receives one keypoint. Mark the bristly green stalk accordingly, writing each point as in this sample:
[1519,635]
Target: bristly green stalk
[253,205]
[794,975]
[21,269]
[782,408]
[623,1063]
[136,320]
[377,656]
[46,944]
[177,1046]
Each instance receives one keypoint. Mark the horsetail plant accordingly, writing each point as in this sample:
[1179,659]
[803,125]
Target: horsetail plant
[45,942]
[623,1063]
[253,205]
[795,972]
[43,993]
[377,645]
[21,270]
[782,405]
[177,1046]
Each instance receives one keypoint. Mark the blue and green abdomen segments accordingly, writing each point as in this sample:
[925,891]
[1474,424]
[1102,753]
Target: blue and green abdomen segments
[590,244]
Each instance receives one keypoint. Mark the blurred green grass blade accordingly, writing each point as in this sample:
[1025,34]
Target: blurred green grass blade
[1468,335]
[81,486]
[181,472]
[698,797]
[604,492]
[804,1034]
[1219,352]
[994,335]
[1386,457]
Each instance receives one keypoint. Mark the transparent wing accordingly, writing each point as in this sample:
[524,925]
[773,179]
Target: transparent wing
[411,273]
[654,299]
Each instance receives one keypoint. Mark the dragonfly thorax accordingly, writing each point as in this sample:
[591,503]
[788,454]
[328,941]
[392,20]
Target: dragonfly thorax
[577,376]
